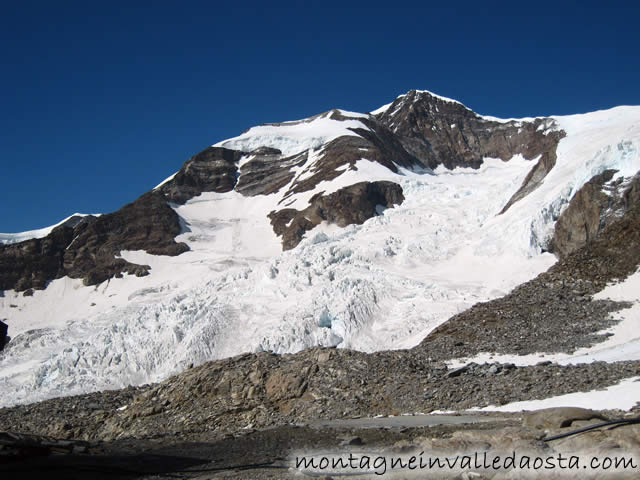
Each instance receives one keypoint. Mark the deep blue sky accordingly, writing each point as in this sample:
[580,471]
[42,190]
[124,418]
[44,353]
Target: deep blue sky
[100,101]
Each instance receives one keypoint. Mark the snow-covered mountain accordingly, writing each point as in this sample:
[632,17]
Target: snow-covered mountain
[363,231]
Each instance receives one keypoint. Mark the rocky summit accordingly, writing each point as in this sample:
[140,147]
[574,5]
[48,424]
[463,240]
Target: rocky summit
[335,283]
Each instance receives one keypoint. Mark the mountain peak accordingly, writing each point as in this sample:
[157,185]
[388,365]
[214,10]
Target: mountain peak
[412,96]
[393,223]
[427,93]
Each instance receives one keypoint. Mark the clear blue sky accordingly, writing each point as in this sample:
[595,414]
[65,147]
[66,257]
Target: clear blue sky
[100,101]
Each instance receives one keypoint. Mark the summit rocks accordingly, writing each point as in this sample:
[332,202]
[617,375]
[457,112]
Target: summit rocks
[445,132]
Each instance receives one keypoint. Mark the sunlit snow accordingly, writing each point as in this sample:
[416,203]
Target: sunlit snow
[295,137]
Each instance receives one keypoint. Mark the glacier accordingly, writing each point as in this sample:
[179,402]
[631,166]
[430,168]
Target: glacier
[384,284]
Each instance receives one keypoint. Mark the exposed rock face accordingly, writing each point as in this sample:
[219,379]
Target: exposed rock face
[76,220]
[3,334]
[350,205]
[212,170]
[32,263]
[267,172]
[442,132]
[539,171]
[341,155]
[90,249]
[597,204]
[147,224]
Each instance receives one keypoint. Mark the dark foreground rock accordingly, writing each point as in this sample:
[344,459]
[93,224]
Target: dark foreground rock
[280,452]
[255,454]
[266,390]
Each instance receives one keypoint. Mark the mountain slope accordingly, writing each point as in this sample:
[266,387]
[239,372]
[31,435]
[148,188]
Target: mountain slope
[392,222]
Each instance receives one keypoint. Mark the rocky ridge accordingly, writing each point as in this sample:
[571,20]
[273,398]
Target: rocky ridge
[596,205]
[90,249]
[445,132]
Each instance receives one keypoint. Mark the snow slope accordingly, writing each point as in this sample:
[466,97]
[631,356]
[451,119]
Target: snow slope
[294,137]
[623,396]
[384,284]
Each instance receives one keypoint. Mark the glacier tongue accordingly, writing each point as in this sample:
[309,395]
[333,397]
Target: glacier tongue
[383,284]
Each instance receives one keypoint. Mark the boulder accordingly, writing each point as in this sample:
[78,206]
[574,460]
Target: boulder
[559,417]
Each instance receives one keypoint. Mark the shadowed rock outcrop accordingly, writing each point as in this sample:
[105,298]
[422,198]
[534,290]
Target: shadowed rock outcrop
[596,205]
[443,132]
[3,334]
[268,171]
[90,249]
[147,224]
[350,205]
[212,170]
[32,263]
